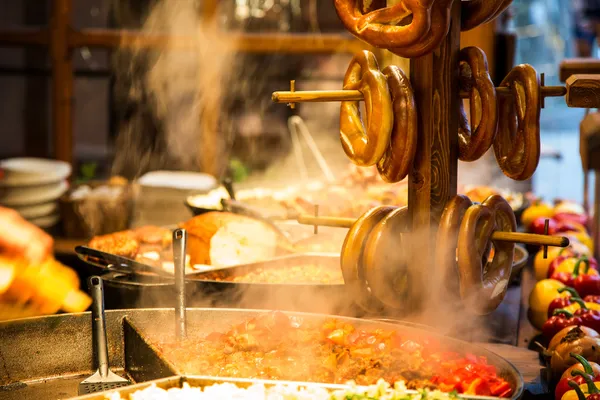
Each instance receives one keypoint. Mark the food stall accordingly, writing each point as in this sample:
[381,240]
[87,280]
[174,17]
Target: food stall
[393,277]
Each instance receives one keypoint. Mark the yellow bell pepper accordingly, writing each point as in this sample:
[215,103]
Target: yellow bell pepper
[541,264]
[540,298]
[569,265]
[576,306]
[535,211]
[572,394]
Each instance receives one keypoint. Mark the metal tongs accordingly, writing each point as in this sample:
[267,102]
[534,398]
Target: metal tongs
[114,263]
[179,251]
[297,128]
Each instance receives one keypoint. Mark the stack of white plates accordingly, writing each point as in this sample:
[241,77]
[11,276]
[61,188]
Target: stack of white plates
[32,186]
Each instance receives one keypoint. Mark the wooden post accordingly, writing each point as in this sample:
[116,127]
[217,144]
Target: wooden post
[433,179]
[62,80]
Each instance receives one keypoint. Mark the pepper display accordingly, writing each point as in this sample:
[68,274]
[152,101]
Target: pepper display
[579,340]
[562,302]
[543,293]
[587,285]
[570,264]
[563,386]
[587,391]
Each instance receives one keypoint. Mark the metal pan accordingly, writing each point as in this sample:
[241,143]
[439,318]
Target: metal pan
[62,354]
[205,381]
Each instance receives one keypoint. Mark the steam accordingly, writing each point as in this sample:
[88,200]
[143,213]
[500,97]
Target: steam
[180,88]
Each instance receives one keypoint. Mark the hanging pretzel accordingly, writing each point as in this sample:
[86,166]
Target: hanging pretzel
[478,12]
[385,262]
[445,272]
[398,158]
[483,284]
[517,143]
[351,258]
[365,147]
[440,25]
[381,27]
[475,142]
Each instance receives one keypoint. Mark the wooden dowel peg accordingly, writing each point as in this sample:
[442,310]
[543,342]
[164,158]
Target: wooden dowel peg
[292,90]
[315,96]
[514,237]
[316,217]
[546,228]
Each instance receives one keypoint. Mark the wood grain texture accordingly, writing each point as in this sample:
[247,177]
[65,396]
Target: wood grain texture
[433,178]
[62,80]
[583,91]
[575,66]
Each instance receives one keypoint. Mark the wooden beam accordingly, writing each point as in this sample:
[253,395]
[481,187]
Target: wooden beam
[433,179]
[62,80]
[24,37]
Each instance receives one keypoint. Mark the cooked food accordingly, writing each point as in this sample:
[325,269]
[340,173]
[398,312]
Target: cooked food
[299,274]
[258,391]
[123,244]
[277,347]
[225,239]
[28,290]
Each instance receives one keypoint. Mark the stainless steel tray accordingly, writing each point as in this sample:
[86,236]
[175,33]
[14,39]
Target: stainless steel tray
[46,357]
[204,381]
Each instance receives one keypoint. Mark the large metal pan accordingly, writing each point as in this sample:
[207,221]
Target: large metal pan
[205,381]
[47,357]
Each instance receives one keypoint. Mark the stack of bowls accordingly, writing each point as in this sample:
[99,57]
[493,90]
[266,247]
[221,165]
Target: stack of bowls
[32,186]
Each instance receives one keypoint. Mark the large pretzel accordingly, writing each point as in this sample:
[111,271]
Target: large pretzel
[385,260]
[440,25]
[397,159]
[381,27]
[475,142]
[445,274]
[477,12]
[483,284]
[517,143]
[351,258]
[365,147]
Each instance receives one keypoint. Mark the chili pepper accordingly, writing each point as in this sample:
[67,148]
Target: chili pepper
[559,320]
[562,302]
[563,386]
[587,391]
[587,285]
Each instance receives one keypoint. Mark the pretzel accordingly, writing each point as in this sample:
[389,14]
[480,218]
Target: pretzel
[440,25]
[483,284]
[517,143]
[351,258]
[385,262]
[381,27]
[475,142]
[398,157]
[445,272]
[477,12]
[366,147]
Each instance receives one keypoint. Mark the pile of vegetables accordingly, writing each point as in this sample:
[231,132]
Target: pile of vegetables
[565,302]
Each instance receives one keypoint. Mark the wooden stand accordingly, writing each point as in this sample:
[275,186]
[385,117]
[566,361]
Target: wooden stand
[433,179]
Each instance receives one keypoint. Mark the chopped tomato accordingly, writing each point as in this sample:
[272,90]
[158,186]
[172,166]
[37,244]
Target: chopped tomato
[501,389]
[478,387]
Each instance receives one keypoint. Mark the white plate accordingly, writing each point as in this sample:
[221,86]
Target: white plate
[46,222]
[32,171]
[37,210]
[32,195]
[179,180]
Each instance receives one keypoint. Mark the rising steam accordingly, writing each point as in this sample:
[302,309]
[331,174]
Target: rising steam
[174,94]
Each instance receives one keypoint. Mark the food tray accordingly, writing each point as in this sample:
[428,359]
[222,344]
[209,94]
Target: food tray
[62,355]
[204,381]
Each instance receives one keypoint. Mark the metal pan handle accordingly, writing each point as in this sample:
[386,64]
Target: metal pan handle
[179,247]
[99,324]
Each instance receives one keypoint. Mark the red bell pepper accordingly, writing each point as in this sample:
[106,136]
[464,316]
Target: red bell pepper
[563,386]
[589,318]
[568,278]
[587,285]
[592,299]
[557,261]
[559,321]
[562,302]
